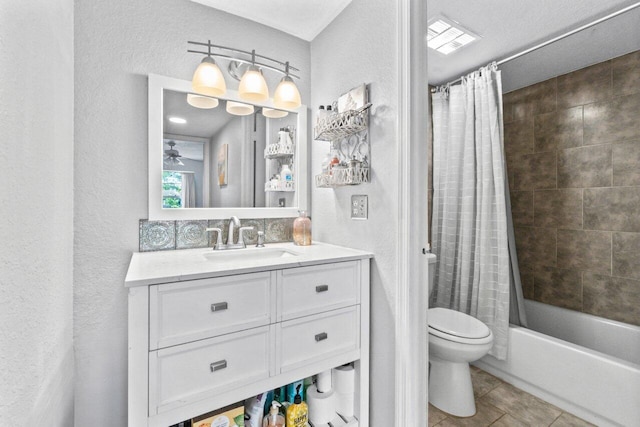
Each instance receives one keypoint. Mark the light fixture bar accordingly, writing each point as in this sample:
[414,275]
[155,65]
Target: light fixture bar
[209,46]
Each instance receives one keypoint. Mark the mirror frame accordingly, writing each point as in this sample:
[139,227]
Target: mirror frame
[157,85]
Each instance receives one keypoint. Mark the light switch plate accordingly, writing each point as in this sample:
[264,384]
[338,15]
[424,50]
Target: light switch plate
[359,207]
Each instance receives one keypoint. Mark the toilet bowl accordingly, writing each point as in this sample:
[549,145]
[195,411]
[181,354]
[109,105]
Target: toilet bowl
[455,339]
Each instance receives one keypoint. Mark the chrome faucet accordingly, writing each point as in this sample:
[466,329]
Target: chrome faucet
[233,223]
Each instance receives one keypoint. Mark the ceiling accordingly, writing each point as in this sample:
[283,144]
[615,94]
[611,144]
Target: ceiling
[304,19]
[508,27]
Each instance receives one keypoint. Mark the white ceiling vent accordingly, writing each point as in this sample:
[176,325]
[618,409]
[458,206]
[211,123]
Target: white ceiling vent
[446,36]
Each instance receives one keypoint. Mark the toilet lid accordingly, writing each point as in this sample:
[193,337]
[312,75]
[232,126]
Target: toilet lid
[458,324]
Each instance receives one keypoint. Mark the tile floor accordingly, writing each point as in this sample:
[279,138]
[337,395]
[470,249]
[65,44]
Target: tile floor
[499,404]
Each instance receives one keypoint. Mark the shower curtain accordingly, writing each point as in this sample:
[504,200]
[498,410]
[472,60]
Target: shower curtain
[188,190]
[472,232]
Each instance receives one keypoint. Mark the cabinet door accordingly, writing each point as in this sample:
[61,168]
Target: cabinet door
[314,338]
[186,373]
[310,290]
[188,311]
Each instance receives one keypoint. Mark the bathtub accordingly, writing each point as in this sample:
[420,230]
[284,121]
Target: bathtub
[584,364]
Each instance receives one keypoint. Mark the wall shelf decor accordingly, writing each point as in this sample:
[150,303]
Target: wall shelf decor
[348,132]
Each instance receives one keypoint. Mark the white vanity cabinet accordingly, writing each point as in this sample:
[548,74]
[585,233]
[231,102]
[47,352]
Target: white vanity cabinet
[196,345]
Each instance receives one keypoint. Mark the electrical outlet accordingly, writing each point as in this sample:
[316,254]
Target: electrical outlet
[281,202]
[359,208]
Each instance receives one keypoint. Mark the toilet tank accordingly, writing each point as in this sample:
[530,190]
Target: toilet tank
[432,271]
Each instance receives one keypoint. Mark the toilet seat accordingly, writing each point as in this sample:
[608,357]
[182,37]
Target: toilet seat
[459,327]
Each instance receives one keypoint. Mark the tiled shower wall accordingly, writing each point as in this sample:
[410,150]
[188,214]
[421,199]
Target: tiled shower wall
[572,146]
[189,234]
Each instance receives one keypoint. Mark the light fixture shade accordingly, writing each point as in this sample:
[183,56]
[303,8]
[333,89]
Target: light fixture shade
[208,79]
[287,94]
[253,86]
[239,109]
[200,101]
[274,114]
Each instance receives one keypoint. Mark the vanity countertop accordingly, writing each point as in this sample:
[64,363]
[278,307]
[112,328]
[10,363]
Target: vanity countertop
[151,268]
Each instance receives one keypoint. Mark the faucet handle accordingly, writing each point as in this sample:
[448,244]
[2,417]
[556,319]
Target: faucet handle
[218,243]
[260,243]
[241,235]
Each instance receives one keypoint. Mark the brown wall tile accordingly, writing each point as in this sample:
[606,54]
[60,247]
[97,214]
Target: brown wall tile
[535,171]
[526,276]
[558,208]
[585,250]
[616,209]
[535,247]
[529,101]
[559,287]
[612,121]
[585,86]
[626,163]
[626,74]
[518,138]
[612,297]
[556,130]
[626,255]
[522,207]
[585,167]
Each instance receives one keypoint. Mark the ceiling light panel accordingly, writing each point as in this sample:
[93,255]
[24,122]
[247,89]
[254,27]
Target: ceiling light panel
[446,36]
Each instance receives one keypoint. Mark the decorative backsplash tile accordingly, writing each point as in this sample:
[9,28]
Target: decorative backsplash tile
[191,234]
[157,235]
[187,234]
[278,230]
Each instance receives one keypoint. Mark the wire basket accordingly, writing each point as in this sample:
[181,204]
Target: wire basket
[344,176]
[285,186]
[274,151]
[342,125]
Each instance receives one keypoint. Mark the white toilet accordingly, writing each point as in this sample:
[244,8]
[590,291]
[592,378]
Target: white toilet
[455,339]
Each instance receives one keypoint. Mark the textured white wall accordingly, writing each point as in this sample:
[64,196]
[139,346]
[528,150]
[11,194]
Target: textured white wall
[36,259]
[360,46]
[117,44]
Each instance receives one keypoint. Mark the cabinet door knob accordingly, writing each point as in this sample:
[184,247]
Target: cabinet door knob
[321,337]
[216,366]
[219,306]
[322,288]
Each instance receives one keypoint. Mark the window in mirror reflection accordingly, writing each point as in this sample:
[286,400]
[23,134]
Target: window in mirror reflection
[182,174]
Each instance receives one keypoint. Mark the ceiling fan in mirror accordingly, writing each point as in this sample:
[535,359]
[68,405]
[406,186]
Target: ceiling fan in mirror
[172,156]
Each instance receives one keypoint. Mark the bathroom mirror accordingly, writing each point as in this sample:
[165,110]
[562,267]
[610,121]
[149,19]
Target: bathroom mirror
[205,163]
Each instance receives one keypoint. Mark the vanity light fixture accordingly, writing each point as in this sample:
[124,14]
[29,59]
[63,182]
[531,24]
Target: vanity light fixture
[200,101]
[253,86]
[287,94]
[239,109]
[273,113]
[208,79]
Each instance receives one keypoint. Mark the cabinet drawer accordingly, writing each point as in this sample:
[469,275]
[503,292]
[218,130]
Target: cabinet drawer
[198,309]
[182,374]
[309,290]
[315,338]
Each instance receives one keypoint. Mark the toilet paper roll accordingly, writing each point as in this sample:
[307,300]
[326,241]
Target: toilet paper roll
[344,379]
[321,406]
[345,404]
[323,381]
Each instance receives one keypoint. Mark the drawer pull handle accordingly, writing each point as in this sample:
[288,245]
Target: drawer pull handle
[219,306]
[321,337]
[322,288]
[216,366]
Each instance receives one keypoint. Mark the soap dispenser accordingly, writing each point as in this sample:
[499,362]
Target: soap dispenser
[274,418]
[298,413]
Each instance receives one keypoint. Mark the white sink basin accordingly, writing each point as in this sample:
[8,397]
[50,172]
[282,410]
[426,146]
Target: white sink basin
[250,255]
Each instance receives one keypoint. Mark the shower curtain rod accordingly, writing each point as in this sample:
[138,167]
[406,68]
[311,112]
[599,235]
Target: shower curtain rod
[560,37]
